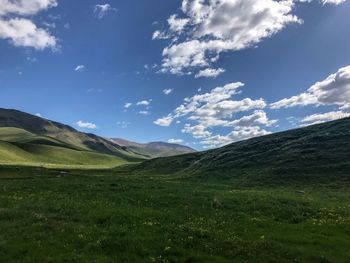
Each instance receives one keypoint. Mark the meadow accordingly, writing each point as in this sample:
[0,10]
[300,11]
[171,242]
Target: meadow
[112,216]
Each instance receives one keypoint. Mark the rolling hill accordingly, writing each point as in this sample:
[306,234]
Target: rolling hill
[153,149]
[20,147]
[63,133]
[318,150]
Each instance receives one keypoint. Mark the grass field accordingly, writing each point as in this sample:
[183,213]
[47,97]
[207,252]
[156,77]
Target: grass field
[108,216]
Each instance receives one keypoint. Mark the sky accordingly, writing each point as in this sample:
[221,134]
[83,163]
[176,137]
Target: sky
[203,73]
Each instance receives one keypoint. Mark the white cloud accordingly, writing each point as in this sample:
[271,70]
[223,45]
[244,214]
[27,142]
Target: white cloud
[209,73]
[86,125]
[324,117]
[239,133]
[144,103]
[144,112]
[333,2]
[127,105]
[177,24]
[102,10]
[167,91]
[159,35]
[259,117]
[80,68]
[22,32]
[217,108]
[205,29]
[123,124]
[176,141]
[38,115]
[334,90]
[25,7]
[198,131]
[164,122]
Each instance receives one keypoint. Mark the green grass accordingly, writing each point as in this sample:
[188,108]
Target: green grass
[278,198]
[47,155]
[103,216]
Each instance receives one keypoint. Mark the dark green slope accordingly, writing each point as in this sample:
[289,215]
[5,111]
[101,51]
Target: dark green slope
[64,134]
[314,150]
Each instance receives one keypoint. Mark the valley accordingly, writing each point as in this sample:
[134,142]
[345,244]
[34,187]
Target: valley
[281,198]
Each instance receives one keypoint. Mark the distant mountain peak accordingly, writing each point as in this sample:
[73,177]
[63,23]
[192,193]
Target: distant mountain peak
[154,149]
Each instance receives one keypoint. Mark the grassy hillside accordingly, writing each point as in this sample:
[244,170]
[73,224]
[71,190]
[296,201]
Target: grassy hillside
[63,133]
[286,200]
[315,151]
[20,147]
[154,149]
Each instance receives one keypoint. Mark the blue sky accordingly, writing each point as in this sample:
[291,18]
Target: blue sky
[232,69]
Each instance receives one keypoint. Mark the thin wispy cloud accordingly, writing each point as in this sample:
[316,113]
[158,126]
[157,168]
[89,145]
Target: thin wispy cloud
[144,102]
[101,10]
[79,68]
[176,141]
[167,91]
[123,124]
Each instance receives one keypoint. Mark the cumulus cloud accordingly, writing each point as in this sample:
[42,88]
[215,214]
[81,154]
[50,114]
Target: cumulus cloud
[217,108]
[323,117]
[79,68]
[167,91]
[20,31]
[177,24]
[164,122]
[176,141]
[209,73]
[24,33]
[25,7]
[102,10]
[86,125]
[205,29]
[334,90]
[239,133]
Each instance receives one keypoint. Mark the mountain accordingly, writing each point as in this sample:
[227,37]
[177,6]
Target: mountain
[20,147]
[321,151]
[153,149]
[22,129]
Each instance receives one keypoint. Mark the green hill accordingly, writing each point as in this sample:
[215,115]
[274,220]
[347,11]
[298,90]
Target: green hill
[57,134]
[317,150]
[20,147]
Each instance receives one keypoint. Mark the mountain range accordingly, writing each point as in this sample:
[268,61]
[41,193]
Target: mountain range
[26,138]
[153,149]
[318,151]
